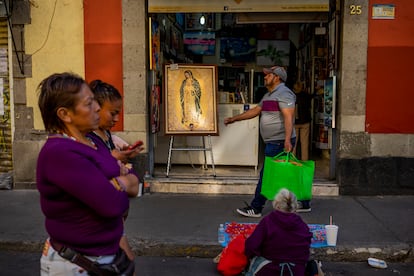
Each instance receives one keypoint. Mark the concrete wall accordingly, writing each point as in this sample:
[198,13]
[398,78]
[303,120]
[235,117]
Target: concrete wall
[367,163]
[353,141]
[135,46]
[50,40]
[53,39]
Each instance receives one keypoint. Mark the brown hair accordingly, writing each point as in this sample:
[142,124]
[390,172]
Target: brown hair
[58,90]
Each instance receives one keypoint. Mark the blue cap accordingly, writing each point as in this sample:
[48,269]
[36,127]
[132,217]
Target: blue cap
[277,70]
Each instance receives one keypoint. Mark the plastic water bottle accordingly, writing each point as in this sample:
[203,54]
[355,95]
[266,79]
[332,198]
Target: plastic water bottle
[221,237]
[147,188]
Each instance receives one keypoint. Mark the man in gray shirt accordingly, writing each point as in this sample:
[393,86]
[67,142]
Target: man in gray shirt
[277,110]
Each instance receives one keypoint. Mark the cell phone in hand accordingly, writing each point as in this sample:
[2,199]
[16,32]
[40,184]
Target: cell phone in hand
[135,145]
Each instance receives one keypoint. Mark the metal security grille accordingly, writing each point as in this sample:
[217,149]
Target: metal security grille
[6,164]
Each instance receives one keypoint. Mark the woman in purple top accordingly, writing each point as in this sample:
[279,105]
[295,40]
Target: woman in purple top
[83,192]
[110,102]
[281,241]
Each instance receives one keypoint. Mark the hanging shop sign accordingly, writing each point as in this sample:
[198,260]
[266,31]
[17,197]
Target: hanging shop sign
[188,6]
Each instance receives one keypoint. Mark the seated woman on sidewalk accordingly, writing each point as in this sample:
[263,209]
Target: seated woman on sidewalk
[281,241]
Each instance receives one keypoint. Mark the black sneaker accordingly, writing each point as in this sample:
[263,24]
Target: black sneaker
[303,206]
[314,268]
[249,211]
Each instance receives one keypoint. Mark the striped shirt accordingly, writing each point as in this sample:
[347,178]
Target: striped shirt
[272,126]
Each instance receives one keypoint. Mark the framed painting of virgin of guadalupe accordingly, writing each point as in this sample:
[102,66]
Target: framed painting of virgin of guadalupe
[190,99]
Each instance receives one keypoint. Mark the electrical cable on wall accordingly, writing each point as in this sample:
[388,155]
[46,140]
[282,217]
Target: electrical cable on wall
[19,61]
[48,31]
[13,40]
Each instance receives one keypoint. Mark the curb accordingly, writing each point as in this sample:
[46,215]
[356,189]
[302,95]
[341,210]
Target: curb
[392,253]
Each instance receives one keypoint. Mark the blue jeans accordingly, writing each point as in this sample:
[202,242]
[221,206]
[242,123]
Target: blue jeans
[256,264]
[271,149]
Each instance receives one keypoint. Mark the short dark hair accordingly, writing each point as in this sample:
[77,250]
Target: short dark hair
[104,92]
[58,90]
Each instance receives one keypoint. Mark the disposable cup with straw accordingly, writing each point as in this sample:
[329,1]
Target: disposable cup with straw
[331,233]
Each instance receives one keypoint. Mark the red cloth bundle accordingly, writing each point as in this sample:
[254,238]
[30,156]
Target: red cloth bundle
[233,260]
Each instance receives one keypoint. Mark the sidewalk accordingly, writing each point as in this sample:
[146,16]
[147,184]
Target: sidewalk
[186,225]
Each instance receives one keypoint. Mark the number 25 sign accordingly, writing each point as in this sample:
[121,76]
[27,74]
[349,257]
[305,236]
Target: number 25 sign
[355,9]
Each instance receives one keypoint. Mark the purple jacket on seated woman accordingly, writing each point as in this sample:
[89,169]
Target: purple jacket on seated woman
[283,238]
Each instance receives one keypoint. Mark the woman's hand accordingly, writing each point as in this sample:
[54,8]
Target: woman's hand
[120,155]
[130,182]
[131,153]
[123,168]
[125,153]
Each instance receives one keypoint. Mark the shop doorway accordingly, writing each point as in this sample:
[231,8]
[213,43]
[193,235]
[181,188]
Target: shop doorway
[241,45]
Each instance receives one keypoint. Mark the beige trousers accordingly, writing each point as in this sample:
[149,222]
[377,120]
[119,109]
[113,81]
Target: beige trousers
[302,137]
[53,264]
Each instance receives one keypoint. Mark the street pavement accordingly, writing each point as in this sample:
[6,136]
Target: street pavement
[181,225]
[11,265]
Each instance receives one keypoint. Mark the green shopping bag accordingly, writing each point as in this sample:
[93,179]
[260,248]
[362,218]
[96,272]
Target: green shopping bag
[286,171]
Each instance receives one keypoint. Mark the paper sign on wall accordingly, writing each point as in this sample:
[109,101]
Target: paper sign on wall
[1,98]
[380,11]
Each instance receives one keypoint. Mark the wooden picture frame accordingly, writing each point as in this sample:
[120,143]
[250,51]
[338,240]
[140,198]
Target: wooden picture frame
[190,93]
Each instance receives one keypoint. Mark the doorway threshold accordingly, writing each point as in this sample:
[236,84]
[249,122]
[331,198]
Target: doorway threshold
[228,180]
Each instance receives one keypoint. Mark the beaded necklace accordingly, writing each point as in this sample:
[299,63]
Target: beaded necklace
[108,141]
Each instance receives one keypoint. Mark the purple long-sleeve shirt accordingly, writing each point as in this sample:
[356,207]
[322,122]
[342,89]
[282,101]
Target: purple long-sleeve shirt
[82,208]
[280,237]
[100,143]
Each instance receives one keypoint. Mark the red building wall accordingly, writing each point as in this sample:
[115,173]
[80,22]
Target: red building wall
[390,70]
[103,44]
